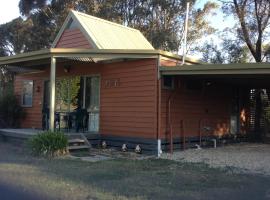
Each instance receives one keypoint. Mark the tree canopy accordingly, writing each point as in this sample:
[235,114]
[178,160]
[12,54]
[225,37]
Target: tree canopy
[161,21]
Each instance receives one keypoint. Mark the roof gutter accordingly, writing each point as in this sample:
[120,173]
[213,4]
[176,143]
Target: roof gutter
[65,52]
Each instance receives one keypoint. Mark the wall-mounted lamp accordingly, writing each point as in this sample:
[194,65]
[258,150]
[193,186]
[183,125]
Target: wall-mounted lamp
[67,68]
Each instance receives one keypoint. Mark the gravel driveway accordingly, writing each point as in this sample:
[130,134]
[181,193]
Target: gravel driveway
[244,157]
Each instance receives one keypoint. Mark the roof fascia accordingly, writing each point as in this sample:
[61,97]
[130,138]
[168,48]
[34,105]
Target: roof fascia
[218,69]
[35,55]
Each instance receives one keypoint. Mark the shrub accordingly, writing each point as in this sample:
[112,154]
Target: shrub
[49,144]
[10,111]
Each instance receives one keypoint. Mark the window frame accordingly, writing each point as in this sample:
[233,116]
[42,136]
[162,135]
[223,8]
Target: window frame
[23,93]
[166,87]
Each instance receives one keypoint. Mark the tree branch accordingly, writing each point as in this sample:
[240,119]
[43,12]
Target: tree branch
[241,18]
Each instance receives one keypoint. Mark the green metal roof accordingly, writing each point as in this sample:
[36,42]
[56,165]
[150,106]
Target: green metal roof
[208,69]
[103,34]
[94,54]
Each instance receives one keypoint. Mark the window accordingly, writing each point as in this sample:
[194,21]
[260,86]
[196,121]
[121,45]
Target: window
[27,93]
[168,82]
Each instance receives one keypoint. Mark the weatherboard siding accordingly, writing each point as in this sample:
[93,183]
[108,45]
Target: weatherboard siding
[33,113]
[73,38]
[128,109]
[209,107]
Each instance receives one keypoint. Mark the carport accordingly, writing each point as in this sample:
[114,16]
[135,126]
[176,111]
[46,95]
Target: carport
[214,101]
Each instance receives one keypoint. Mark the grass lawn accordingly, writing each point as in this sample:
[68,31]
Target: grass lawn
[124,179]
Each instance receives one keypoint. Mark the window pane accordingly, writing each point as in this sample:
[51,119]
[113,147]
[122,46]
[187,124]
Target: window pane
[168,82]
[87,92]
[27,95]
[74,91]
[94,98]
[62,94]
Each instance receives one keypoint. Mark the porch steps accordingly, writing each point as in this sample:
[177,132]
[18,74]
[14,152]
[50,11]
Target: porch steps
[77,141]
[79,147]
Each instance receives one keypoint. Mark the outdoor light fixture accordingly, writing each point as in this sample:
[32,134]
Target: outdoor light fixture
[104,144]
[67,68]
[124,148]
[138,149]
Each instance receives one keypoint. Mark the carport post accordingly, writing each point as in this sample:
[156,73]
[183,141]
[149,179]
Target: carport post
[52,92]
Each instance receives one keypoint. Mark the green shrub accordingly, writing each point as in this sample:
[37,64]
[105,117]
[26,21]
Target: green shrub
[49,144]
[10,111]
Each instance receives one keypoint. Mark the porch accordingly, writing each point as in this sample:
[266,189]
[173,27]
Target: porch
[20,135]
[215,103]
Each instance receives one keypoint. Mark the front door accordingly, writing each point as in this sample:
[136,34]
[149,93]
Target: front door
[91,98]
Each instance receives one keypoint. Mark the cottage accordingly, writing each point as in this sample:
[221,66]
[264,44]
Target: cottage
[106,80]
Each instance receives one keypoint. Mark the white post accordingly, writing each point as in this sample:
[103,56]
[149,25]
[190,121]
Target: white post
[185,35]
[52,92]
[159,148]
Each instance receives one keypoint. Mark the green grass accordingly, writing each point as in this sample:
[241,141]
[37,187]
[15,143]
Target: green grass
[125,179]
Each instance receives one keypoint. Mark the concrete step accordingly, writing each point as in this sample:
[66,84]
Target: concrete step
[79,147]
[76,140]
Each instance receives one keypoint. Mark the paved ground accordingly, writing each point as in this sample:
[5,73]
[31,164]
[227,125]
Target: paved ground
[244,157]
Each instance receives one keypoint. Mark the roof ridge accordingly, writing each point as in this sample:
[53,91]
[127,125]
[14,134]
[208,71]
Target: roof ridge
[104,20]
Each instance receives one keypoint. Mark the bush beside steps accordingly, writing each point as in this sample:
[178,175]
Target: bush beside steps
[49,144]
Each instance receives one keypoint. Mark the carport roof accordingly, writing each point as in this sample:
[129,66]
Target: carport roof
[217,69]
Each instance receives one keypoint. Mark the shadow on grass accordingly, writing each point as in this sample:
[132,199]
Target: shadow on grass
[148,179]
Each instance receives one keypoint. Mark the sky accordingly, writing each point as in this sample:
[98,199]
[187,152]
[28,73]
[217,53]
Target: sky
[9,11]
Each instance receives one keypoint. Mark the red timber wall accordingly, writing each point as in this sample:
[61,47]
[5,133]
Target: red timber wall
[73,38]
[210,107]
[129,109]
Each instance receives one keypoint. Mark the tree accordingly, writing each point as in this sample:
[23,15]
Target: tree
[253,18]
[14,36]
[161,21]
[211,53]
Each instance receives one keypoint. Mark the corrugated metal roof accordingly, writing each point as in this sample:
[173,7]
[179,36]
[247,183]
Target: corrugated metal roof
[104,34]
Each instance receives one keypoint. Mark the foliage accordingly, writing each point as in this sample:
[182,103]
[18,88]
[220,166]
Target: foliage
[211,53]
[199,26]
[253,18]
[10,111]
[49,144]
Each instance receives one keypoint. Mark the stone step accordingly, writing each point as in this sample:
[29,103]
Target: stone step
[72,134]
[79,147]
[76,140]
